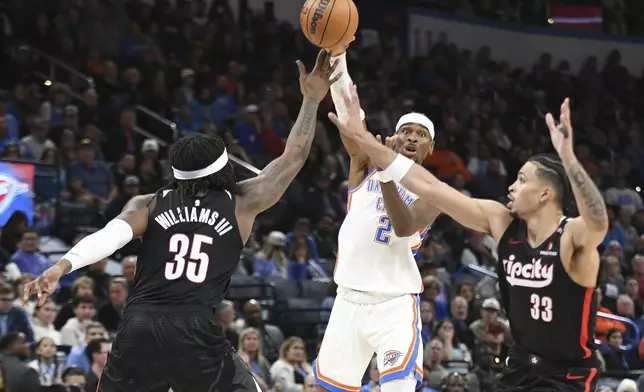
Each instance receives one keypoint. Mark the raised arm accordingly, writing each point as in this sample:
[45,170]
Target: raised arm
[263,191]
[359,163]
[480,215]
[590,228]
[131,223]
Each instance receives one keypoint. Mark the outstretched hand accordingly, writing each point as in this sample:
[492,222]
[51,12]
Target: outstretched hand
[43,286]
[390,141]
[561,133]
[315,85]
[351,124]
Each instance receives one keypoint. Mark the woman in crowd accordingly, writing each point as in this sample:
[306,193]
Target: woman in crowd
[42,322]
[456,355]
[291,368]
[46,363]
[250,350]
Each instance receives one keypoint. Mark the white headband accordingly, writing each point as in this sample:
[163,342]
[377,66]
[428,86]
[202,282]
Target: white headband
[213,168]
[416,118]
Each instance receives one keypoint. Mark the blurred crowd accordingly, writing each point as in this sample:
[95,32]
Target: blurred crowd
[195,63]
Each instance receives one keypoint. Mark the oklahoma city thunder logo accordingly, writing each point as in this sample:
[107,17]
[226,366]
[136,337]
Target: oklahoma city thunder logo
[9,189]
[391,357]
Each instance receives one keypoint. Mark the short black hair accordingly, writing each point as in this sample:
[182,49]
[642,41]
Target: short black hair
[93,347]
[10,338]
[550,169]
[85,299]
[5,288]
[30,230]
[197,151]
[73,371]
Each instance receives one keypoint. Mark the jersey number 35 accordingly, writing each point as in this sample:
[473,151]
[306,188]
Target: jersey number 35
[196,267]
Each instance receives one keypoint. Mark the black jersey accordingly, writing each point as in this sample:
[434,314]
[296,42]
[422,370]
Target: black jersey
[189,251]
[550,315]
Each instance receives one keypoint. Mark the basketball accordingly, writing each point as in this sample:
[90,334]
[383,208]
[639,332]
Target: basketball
[327,23]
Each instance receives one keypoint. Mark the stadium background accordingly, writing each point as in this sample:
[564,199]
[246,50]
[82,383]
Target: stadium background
[115,82]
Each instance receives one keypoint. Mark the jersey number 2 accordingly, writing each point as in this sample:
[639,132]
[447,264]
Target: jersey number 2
[383,232]
[541,308]
[196,268]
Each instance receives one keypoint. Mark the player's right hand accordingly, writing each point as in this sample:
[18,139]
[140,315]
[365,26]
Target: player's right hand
[341,47]
[315,85]
[43,286]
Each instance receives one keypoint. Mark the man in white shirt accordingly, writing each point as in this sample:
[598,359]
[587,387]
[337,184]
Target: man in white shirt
[37,141]
[73,333]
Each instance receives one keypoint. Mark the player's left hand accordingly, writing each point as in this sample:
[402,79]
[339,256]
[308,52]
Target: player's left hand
[43,286]
[561,133]
[390,141]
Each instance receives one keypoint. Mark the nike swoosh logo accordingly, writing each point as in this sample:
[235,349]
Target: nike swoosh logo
[571,377]
[514,242]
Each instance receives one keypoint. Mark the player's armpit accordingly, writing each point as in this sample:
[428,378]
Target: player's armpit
[581,236]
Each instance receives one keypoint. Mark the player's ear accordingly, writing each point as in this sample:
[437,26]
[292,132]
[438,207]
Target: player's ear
[546,194]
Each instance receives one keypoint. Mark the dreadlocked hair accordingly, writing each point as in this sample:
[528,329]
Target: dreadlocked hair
[550,168]
[195,152]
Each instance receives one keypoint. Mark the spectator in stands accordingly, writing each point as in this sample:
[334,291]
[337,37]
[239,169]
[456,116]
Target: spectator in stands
[484,376]
[632,290]
[250,351]
[374,375]
[27,259]
[14,151]
[300,265]
[616,359]
[123,168]
[627,385]
[456,355]
[433,288]
[226,318]
[613,275]
[302,230]
[129,189]
[96,351]
[90,181]
[73,333]
[623,196]
[111,313]
[309,384]
[82,286]
[459,311]
[38,141]
[272,337]
[491,330]
[42,322]
[325,236]
[53,110]
[46,363]
[18,285]
[14,348]
[123,138]
[13,318]
[271,260]
[604,325]
[625,307]
[291,368]
[77,355]
[12,231]
[427,321]
[101,279]
[465,289]
[73,376]
[129,269]
[434,370]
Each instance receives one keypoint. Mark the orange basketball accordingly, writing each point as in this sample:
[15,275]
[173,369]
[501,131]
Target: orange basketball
[327,23]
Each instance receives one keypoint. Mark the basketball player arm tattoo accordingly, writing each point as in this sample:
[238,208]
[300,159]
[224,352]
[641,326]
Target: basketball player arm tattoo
[406,220]
[590,228]
[263,191]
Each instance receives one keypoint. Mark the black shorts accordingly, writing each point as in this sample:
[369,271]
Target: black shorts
[183,348]
[533,374]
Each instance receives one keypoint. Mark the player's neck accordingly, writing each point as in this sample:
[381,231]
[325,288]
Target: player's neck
[542,224]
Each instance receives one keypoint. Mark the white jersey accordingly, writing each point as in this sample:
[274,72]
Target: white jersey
[371,258]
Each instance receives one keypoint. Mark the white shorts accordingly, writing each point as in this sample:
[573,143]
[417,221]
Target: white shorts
[355,331]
